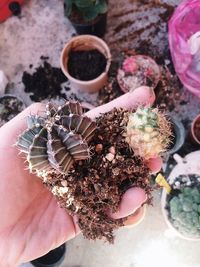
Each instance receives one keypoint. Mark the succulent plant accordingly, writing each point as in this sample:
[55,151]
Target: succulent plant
[147,132]
[184,211]
[54,142]
[88,9]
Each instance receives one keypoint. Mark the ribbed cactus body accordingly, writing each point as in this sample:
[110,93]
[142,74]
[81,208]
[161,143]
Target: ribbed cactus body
[147,132]
[53,143]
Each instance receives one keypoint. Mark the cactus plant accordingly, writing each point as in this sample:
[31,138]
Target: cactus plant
[57,146]
[53,143]
[88,9]
[184,211]
[147,132]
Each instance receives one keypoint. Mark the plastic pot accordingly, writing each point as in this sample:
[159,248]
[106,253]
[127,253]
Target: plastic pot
[81,43]
[187,165]
[179,135]
[137,71]
[9,8]
[97,28]
[195,138]
[7,112]
[52,259]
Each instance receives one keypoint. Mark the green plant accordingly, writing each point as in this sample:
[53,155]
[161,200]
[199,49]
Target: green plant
[88,9]
[52,143]
[184,211]
[147,132]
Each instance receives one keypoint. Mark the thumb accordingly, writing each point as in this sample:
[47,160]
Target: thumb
[141,96]
[132,199]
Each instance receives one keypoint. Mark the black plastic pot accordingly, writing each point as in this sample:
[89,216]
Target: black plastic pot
[52,259]
[98,28]
[179,135]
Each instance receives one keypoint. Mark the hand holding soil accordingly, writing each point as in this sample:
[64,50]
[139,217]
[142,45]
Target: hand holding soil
[31,222]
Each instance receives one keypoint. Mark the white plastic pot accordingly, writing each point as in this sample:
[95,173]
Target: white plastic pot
[188,165]
[86,42]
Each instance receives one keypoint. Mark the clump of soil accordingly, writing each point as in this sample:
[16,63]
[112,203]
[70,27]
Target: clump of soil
[96,186]
[86,65]
[197,129]
[10,106]
[44,83]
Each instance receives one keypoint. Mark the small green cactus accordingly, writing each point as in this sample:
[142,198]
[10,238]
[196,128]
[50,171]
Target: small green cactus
[54,142]
[184,211]
[148,132]
[88,9]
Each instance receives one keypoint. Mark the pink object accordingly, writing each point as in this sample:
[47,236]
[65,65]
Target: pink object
[137,71]
[184,40]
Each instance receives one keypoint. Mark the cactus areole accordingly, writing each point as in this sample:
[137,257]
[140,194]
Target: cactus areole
[88,164]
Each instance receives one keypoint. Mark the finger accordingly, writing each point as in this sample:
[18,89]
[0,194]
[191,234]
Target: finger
[155,164]
[135,218]
[141,96]
[132,199]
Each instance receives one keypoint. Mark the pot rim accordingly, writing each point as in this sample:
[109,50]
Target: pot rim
[192,129]
[13,96]
[176,171]
[108,58]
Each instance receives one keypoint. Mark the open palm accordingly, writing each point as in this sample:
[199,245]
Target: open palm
[31,222]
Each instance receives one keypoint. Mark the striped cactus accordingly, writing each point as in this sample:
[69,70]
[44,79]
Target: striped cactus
[53,143]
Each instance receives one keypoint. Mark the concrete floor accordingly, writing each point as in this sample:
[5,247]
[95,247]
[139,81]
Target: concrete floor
[41,30]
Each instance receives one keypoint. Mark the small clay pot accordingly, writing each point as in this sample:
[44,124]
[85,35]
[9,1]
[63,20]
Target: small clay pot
[187,165]
[179,135]
[194,137]
[97,28]
[85,43]
[137,71]
[52,259]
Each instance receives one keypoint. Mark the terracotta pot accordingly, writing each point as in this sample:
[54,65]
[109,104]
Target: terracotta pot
[187,165]
[86,42]
[193,135]
[136,218]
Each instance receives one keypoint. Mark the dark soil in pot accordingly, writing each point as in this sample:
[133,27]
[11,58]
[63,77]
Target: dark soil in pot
[10,106]
[86,65]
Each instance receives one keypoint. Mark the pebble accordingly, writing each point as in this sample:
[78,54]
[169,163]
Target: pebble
[64,183]
[110,157]
[99,148]
[112,150]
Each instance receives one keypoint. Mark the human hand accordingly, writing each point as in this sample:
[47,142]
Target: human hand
[31,221]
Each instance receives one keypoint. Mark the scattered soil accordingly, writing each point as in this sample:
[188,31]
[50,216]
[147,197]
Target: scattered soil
[96,186]
[44,83]
[197,129]
[86,65]
[10,106]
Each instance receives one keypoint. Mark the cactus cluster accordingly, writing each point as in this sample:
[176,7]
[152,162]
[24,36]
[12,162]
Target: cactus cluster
[88,9]
[147,132]
[52,143]
[184,211]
